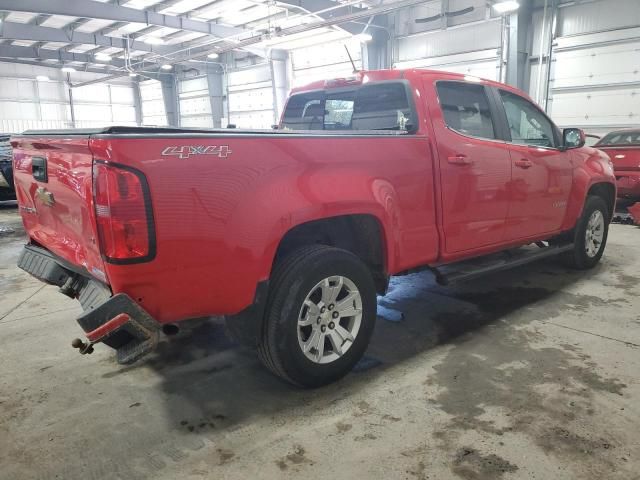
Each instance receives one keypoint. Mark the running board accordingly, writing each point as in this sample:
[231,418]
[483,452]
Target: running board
[478,267]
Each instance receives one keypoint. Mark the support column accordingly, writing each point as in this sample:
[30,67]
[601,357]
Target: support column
[137,102]
[518,49]
[280,78]
[170,97]
[215,82]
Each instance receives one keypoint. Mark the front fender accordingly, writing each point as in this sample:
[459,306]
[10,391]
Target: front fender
[591,166]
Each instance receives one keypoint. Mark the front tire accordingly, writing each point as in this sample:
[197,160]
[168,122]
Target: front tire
[320,316]
[591,234]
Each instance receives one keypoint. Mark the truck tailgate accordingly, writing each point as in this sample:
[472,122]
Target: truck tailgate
[53,180]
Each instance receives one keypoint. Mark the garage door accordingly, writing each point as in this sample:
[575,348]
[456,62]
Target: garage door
[195,103]
[596,88]
[103,104]
[31,104]
[153,109]
[251,97]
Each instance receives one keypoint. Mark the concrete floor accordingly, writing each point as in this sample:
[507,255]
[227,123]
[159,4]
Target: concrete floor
[532,373]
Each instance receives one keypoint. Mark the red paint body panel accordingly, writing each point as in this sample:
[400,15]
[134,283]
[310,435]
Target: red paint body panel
[219,220]
[66,228]
[626,164]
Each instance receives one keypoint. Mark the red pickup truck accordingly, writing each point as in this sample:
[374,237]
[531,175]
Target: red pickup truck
[291,233]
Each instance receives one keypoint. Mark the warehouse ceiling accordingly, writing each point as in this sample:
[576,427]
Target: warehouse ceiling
[137,35]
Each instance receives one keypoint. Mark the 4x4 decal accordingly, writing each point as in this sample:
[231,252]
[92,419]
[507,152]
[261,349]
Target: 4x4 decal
[185,151]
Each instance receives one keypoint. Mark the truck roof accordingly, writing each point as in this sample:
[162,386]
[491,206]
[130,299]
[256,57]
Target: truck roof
[363,76]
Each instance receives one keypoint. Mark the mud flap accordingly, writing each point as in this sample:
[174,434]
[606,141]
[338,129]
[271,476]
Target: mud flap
[122,324]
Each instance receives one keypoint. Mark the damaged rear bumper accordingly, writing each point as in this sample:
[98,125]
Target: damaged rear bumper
[116,321]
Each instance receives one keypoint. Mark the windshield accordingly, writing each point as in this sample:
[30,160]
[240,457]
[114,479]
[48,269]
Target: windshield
[630,137]
[382,106]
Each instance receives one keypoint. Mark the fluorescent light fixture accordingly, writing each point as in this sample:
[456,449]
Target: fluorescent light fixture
[363,37]
[213,55]
[506,6]
[68,69]
[42,78]
[102,57]
[166,66]
[153,41]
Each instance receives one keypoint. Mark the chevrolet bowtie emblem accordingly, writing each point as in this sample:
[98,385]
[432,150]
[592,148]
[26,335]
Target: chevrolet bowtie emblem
[45,196]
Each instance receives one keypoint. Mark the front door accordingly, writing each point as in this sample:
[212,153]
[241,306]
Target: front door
[475,167]
[541,173]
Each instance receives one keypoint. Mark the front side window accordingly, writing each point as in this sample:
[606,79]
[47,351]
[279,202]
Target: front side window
[465,108]
[382,106]
[527,124]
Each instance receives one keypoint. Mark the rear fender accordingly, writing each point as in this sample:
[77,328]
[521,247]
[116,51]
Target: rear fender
[321,194]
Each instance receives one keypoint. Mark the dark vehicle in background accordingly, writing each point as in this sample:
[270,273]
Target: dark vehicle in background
[623,147]
[7,190]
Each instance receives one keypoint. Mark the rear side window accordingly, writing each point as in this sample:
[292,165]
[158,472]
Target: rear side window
[383,106]
[631,137]
[527,124]
[466,109]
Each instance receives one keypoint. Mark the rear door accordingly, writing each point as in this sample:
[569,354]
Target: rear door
[475,167]
[541,173]
[53,180]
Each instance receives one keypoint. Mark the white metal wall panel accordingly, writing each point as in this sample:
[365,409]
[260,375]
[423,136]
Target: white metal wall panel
[598,16]
[251,97]
[478,64]
[463,39]
[326,61]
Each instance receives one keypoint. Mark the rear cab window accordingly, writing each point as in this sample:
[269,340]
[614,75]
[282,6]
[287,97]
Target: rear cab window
[375,106]
[620,139]
[465,108]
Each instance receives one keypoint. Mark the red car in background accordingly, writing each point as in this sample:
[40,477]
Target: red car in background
[623,147]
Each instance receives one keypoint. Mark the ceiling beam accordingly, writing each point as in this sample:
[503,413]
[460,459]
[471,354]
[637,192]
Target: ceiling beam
[22,31]
[14,52]
[117,13]
[47,65]
[318,7]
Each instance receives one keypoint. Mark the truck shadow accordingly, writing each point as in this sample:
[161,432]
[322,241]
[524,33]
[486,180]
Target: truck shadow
[213,385]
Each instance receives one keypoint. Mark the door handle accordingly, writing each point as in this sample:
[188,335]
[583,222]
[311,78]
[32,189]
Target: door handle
[523,163]
[459,159]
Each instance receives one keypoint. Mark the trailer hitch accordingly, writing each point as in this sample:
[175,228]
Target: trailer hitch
[84,348]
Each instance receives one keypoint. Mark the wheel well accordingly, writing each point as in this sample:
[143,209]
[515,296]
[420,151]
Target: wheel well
[607,192]
[358,234]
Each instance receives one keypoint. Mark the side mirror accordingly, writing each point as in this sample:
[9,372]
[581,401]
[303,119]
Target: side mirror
[573,138]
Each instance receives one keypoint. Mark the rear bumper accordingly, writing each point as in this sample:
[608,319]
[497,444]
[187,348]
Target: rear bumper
[628,184]
[115,320]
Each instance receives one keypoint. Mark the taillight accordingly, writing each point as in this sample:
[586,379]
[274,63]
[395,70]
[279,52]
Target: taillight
[123,213]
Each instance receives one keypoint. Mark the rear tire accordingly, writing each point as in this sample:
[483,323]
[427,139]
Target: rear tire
[591,234]
[320,316]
